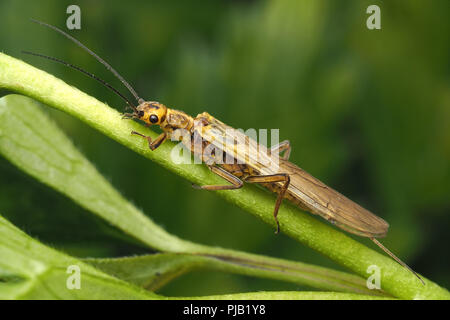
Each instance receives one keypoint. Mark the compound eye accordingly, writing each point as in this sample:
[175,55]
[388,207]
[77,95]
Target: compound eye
[153,118]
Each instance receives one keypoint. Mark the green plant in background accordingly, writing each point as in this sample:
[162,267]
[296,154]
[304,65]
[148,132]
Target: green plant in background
[30,141]
[359,115]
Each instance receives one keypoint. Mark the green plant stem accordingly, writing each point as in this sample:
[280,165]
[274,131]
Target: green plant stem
[20,77]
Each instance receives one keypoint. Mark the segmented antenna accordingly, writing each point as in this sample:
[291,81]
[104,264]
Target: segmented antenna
[106,84]
[393,256]
[103,62]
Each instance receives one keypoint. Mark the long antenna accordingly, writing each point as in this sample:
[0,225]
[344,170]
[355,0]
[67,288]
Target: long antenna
[107,65]
[93,76]
[393,256]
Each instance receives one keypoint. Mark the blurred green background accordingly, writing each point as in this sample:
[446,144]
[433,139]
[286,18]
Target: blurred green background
[366,111]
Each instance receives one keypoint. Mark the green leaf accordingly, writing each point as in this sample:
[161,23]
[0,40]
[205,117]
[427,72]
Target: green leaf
[149,271]
[30,270]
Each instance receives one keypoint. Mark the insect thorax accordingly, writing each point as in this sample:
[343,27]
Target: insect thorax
[177,120]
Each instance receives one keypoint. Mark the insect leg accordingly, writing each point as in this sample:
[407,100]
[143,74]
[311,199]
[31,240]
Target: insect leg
[152,144]
[282,146]
[281,177]
[236,183]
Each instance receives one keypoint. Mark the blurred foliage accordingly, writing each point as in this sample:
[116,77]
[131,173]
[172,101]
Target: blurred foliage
[366,111]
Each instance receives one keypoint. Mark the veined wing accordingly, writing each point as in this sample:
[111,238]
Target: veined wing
[306,191]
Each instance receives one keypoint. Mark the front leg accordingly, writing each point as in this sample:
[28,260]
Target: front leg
[152,144]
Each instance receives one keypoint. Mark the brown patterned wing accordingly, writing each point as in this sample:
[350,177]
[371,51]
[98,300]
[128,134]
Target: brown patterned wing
[304,190]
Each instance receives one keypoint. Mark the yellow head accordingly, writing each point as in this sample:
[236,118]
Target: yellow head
[151,112]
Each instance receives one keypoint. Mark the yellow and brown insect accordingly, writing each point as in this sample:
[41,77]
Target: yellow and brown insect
[251,162]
